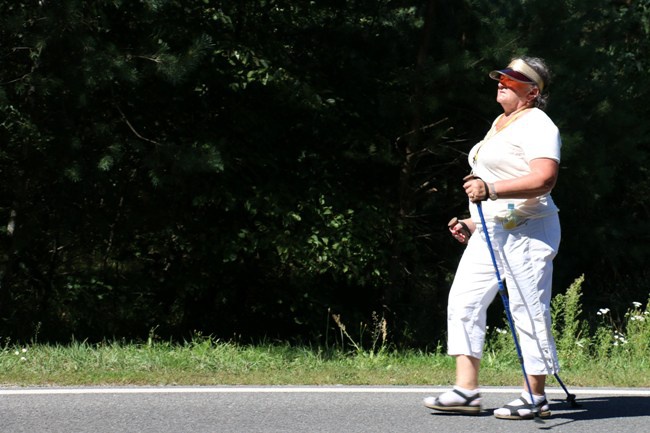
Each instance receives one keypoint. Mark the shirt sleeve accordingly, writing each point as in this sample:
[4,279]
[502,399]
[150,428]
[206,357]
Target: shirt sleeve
[543,139]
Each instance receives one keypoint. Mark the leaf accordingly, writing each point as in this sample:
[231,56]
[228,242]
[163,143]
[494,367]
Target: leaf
[106,163]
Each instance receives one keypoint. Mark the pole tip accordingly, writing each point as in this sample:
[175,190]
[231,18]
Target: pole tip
[571,399]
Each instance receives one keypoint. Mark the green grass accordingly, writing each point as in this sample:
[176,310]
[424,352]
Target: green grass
[614,354]
[208,362]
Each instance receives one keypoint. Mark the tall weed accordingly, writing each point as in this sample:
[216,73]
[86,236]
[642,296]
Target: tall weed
[638,331]
[571,332]
[378,335]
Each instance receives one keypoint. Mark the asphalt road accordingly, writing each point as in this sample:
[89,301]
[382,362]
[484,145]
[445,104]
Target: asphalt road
[336,409]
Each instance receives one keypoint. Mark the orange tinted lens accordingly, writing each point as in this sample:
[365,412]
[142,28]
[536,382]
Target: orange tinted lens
[512,84]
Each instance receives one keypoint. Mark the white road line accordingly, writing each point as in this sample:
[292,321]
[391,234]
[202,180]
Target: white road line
[302,389]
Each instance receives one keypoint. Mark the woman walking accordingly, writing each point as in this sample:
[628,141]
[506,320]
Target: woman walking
[514,169]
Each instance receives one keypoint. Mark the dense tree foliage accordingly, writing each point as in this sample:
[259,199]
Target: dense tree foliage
[247,168]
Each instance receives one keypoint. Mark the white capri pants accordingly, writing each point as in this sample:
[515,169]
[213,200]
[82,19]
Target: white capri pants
[525,259]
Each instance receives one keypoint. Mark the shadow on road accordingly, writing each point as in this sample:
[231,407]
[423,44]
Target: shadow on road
[603,407]
[595,408]
[591,408]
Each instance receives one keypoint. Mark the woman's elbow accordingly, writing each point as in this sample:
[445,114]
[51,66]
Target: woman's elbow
[548,184]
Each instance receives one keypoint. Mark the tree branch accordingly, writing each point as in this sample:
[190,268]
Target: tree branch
[136,133]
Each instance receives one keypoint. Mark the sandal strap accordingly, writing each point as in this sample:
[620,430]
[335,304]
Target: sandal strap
[468,400]
[514,409]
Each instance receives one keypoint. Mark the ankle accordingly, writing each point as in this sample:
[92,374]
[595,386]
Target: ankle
[537,398]
[467,391]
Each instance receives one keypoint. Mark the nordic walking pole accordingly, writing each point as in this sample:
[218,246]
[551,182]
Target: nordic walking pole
[570,398]
[506,306]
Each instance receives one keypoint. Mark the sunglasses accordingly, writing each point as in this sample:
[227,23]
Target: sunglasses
[517,86]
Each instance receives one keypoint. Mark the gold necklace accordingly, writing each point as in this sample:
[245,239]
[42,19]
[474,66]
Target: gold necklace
[493,131]
[513,116]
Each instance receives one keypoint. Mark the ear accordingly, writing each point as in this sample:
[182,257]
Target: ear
[533,94]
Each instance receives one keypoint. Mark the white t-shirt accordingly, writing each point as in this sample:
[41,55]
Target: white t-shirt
[506,154]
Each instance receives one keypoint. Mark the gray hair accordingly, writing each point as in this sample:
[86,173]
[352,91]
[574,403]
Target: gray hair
[539,65]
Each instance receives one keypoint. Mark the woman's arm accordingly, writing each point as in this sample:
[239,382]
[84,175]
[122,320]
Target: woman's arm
[541,180]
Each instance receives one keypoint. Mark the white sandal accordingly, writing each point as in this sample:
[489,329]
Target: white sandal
[465,407]
[524,410]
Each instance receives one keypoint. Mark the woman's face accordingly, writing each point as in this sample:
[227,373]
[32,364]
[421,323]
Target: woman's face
[512,94]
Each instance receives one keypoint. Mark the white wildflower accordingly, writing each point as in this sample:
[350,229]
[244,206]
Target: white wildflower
[603,311]
[636,304]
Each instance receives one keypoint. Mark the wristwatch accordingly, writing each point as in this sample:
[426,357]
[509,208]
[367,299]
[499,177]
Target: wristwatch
[492,191]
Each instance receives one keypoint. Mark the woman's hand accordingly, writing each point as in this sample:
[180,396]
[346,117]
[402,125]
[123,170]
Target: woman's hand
[476,189]
[461,230]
